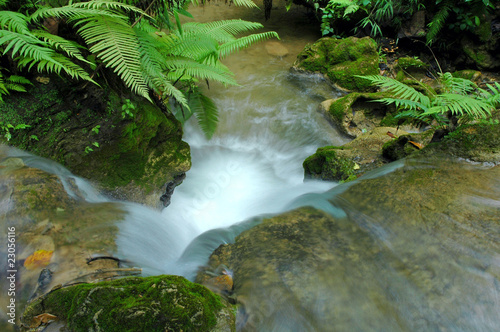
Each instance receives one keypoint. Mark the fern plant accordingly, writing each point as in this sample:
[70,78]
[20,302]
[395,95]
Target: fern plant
[460,98]
[130,42]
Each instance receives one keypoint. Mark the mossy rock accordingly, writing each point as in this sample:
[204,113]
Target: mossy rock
[357,113]
[468,74]
[86,130]
[325,164]
[483,55]
[399,148]
[340,60]
[160,303]
[411,64]
[477,142]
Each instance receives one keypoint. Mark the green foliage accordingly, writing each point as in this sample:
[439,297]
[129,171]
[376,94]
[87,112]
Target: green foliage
[460,97]
[127,40]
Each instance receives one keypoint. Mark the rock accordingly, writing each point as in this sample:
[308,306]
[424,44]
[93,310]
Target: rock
[340,60]
[326,164]
[386,254]
[276,49]
[484,55]
[87,131]
[356,113]
[160,303]
[478,142]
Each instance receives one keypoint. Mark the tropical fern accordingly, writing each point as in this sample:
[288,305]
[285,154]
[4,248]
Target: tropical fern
[438,20]
[12,83]
[461,99]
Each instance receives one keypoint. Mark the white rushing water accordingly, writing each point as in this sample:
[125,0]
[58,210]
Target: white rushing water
[252,166]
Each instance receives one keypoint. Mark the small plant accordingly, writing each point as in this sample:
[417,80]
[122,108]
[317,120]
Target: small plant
[34,137]
[127,109]
[6,127]
[95,130]
[89,149]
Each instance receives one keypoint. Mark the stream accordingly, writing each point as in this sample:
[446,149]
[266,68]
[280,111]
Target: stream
[252,169]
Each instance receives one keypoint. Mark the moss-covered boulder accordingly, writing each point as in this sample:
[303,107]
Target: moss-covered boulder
[161,303]
[325,164]
[477,142]
[340,60]
[356,113]
[128,146]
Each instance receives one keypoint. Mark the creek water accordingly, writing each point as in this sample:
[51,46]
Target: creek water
[252,168]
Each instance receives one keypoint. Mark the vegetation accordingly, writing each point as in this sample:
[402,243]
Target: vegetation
[377,17]
[141,42]
[458,98]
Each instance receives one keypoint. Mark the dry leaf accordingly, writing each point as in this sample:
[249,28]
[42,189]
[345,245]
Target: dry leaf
[42,319]
[39,258]
[418,145]
[391,134]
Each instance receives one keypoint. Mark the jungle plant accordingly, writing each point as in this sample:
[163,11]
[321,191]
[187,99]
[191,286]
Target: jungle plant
[458,97]
[153,63]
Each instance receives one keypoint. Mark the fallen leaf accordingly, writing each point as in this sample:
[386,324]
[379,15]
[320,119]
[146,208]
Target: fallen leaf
[39,258]
[356,166]
[418,145]
[391,134]
[42,319]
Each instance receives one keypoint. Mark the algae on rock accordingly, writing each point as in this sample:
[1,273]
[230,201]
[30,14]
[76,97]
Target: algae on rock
[340,60]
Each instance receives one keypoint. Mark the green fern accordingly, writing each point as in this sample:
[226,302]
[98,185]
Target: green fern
[460,99]
[438,21]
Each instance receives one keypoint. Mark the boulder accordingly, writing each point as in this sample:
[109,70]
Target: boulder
[128,146]
[403,248]
[160,303]
[340,60]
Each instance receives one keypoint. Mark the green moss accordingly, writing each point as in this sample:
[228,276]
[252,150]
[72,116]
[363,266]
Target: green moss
[468,74]
[160,303]
[326,165]
[411,64]
[340,106]
[341,60]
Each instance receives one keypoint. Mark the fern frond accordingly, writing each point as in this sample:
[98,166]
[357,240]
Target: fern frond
[16,79]
[456,84]
[205,111]
[403,103]
[56,42]
[243,42]
[401,90]
[115,42]
[190,68]
[13,21]
[245,3]
[459,105]
[221,31]
[70,13]
[438,21]
[492,97]
[110,5]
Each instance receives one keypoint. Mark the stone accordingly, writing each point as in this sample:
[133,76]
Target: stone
[276,49]
[340,60]
[160,303]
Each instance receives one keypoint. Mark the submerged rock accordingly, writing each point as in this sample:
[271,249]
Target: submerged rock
[160,303]
[340,60]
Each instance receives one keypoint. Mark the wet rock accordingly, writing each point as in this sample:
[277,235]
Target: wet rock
[276,49]
[356,113]
[161,303]
[340,60]
[400,249]
[327,164]
[130,155]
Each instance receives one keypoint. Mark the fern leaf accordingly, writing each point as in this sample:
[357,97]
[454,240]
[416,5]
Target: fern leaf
[70,13]
[245,3]
[403,103]
[401,90]
[460,105]
[110,5]
[438,21]
[13,21]
[191,68]
[456,84]
[221,31]
[206,112]
[69,47]
[243,42]
[115,42]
